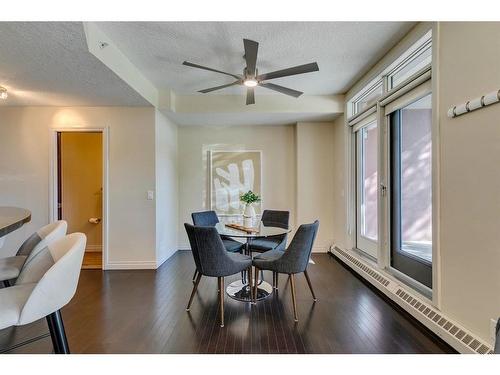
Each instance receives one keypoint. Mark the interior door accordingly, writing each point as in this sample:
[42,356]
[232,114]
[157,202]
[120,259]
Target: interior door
[80,185]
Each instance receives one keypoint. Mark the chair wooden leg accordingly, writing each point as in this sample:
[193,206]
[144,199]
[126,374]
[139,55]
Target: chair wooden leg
[195,274]
[195,287]
[221,300]
[310,285]
[294,299]
[255,285]
[250,285]
[57,333]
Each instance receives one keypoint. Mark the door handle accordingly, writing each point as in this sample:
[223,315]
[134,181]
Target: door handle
[95,220]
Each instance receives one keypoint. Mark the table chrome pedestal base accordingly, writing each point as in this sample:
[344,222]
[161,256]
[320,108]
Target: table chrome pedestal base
[241,292]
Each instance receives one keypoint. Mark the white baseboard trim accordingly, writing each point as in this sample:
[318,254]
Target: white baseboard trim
[453,333]
[160,261]
[132,265]
[320,249]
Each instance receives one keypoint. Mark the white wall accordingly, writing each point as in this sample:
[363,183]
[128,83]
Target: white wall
[296,170]
[24,173]
[338,188]
[470,178]
[278,165]
[315,179]
[167,204]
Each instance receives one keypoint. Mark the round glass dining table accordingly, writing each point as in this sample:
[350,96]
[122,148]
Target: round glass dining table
[240,289]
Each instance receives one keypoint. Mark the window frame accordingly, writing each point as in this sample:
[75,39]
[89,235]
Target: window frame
[384,78]
[364,244]
[369,89]
[407,98]
[422,46]
[390,95]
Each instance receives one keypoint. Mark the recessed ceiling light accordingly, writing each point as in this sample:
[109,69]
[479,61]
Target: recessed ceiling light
[3,93]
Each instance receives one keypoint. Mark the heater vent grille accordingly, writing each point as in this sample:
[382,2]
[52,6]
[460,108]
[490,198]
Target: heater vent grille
[422,308]
[442,322]
[375,275]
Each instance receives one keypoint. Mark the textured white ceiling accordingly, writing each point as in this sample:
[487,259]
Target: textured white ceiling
[343,50]
[48,63]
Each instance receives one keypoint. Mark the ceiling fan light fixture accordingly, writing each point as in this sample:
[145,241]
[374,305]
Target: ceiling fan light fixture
[3,93]
[251,77]
[250,82]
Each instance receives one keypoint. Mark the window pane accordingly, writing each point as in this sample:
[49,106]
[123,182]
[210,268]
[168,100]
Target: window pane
[369,182]
[413,66]
[416,179]
[368,99]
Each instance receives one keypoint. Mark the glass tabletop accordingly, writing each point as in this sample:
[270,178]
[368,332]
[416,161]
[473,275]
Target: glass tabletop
[263,230]
[12,218]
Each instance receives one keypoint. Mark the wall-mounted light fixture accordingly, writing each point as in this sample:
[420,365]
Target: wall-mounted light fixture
[3,93]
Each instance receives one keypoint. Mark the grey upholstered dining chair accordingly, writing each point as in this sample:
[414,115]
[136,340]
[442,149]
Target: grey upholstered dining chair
[213,260]
[47,282]
[210,219]
[292,261]
[10,267]
[273,218]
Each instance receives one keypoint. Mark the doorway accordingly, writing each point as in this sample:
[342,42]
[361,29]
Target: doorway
[80,189]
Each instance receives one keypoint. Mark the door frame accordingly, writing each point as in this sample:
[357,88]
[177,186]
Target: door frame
[53,178]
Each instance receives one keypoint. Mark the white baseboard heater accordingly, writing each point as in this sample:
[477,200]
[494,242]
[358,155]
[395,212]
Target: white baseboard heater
[452,333]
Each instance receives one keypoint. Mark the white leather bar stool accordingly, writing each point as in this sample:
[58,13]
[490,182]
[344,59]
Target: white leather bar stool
[47,282]
[10,267]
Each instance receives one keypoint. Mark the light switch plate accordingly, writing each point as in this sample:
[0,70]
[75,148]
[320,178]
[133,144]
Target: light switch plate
[151,195]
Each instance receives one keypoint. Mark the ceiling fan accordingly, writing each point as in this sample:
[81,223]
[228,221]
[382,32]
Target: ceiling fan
[250,77]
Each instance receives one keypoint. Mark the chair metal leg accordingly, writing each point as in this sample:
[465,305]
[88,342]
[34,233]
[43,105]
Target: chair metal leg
[57,333]
[195,274]
[221,300]
[195,287]
[294,299]
[277,278]
[310,285]
[274,280]
[256,283]
[250,284]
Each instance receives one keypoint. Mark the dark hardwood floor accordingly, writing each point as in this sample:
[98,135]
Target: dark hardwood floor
[144,312]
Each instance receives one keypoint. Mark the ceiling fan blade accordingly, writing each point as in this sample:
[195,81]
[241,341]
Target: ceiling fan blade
[283,90]
[300,69]
[251,48]
[187,63]
[250,95]
[204,91]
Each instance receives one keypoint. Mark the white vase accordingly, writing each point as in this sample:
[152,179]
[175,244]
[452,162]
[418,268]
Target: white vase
[249,211]
[247,222]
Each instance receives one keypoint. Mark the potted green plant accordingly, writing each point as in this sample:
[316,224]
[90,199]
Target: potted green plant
[249,198]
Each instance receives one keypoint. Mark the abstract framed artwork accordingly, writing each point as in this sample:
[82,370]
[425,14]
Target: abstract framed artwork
[232,173]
